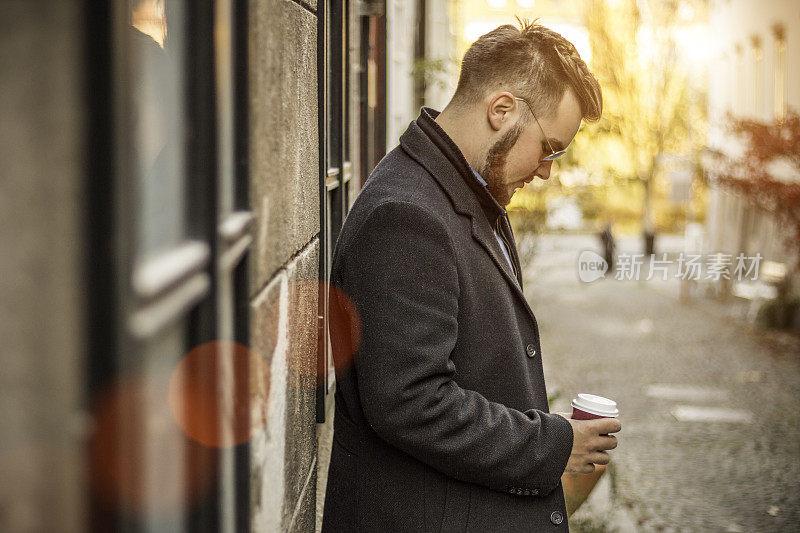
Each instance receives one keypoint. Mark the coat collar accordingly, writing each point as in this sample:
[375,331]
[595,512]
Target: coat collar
[428,144]
[453,177]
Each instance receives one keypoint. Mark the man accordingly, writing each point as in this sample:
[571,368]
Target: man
[442,421]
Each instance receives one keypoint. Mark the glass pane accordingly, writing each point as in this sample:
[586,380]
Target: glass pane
[346,78]
[327,83]
[142,476]
[156,44]
[165,482]
[223,42]
[335,67]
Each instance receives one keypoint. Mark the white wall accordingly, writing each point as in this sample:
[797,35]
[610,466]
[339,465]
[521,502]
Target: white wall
[400,30]
[732,86]
[440,45]
[400,59]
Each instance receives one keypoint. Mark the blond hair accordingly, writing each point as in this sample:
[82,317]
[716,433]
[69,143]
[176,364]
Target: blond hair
[533,62]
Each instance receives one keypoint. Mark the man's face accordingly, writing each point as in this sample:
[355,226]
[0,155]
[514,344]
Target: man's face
[514,158]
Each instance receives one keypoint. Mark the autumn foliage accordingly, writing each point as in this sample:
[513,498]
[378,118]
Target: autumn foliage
[767,171]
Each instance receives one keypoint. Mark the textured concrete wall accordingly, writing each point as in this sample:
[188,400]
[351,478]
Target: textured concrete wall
[285,197]
[283,474]
[284,188]
[40,265]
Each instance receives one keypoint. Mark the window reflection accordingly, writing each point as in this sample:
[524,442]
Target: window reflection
[150,18]
[156,88]
[223,41]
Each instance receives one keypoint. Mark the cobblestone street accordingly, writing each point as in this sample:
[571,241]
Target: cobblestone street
[710,405]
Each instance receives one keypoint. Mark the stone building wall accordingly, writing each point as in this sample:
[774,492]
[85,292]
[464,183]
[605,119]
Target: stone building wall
[735,79]
[41,266]
[284,194]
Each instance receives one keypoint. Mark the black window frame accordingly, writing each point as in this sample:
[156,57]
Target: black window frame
[126,290]
[335,165]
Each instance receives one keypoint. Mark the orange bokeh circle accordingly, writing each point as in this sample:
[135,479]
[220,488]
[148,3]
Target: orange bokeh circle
[213,392]
[343,323]
[139,460]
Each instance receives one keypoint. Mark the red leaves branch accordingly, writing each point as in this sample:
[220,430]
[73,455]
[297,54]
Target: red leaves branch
[748,174]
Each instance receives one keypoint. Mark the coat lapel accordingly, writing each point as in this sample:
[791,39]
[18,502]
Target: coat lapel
[484,234]
[513,251]
[423,149]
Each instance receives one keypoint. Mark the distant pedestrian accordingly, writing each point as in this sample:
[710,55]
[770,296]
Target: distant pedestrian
[649,234]
[609,246]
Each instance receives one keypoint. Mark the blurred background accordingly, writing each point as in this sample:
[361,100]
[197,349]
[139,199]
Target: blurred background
[173,178]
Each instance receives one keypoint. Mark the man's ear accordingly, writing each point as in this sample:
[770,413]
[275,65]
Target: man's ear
[502,108]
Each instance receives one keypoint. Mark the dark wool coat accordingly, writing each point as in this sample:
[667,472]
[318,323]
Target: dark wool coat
[441,419]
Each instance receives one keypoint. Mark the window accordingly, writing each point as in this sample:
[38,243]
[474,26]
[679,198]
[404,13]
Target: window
[340,179]
[335,164]
[233,242]
[779,80]
[372,87]
[738,77]
[758,76]
[169,241]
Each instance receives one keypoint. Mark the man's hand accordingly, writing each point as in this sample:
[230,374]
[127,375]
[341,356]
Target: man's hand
[591,439]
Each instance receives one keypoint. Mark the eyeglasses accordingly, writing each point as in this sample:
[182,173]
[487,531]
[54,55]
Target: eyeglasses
[553,154]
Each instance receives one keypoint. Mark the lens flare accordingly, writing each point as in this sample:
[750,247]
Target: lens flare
[215,392]
[139,460]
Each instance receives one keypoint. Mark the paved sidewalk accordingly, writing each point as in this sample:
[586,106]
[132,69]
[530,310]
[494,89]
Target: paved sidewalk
[670,366]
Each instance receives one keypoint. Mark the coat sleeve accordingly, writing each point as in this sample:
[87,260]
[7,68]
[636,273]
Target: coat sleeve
[400,272]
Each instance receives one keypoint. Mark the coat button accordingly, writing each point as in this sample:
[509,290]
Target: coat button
[531,351]
[556,517]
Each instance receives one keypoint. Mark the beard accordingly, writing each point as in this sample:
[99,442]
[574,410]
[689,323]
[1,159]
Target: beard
[494,168]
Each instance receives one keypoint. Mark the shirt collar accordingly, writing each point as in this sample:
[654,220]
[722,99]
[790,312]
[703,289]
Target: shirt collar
[477,175]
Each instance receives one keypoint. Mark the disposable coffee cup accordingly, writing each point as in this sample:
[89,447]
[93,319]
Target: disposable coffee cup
[590,407]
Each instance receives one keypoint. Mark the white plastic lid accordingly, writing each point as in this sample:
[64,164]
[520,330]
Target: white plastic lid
[596,405]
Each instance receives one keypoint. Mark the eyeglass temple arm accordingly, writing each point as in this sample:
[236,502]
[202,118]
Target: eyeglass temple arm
[538,124]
